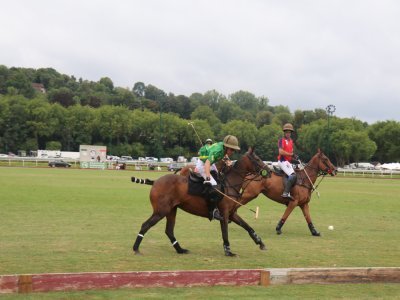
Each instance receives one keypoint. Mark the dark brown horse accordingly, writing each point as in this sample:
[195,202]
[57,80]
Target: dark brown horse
[272,187]
[170,192]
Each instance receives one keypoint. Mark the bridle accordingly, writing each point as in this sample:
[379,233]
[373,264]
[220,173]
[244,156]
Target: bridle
[320,172]
[261,169]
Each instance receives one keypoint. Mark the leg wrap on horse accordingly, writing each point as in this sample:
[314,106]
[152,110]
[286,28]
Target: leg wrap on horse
[313,231]
[139,239]
[279,226]
[178,247]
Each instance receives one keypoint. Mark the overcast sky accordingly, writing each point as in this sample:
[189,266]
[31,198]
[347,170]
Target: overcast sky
[302,54]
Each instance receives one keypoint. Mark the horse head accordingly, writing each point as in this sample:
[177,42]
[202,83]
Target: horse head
[252,163]
[325,165]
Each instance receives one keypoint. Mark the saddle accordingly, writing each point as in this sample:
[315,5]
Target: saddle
[196,187]
[279,172]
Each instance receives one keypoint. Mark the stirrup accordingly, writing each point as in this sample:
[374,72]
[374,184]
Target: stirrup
[216,215]
[287,195]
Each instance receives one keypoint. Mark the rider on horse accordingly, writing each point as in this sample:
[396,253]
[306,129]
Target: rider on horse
[209,156]
[285,145]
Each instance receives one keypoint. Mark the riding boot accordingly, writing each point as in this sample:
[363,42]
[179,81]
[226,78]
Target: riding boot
[213,197]
[287,186]
[213,212]
[288,182]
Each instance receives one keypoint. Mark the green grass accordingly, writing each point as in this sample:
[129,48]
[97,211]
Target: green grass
[71,220]
[337,291]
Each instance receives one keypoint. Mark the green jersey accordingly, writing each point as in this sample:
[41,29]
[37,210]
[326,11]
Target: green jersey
[213,153]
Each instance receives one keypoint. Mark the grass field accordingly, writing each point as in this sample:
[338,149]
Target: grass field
[71,220]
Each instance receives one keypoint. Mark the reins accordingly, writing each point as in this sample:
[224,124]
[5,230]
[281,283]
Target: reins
[245,181]
[319,173]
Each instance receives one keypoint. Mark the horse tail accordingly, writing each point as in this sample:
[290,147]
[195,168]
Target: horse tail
[142,181]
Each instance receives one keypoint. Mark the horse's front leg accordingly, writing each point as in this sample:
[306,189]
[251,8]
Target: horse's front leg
[239,221]
[224,230]
[291,205]
[306,212]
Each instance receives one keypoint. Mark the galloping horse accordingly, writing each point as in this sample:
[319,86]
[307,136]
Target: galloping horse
[272,187]
[170,192]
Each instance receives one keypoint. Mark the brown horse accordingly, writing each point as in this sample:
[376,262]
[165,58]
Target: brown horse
[170,192]
[272,187]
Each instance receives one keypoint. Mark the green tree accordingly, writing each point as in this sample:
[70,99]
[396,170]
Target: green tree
[63,96]
[267,141]
[264,118]
[3,79]
[386,136]
[212,99]
[15,131]
[245,131]
[246,101]
[347,139]
[79,125]
[53,145]
[139,89]
[19,80]
[107,83]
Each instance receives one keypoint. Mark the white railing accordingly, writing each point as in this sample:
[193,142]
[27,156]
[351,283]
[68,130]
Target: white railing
[369,173]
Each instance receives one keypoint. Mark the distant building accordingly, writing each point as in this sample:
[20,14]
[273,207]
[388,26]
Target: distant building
[39,87]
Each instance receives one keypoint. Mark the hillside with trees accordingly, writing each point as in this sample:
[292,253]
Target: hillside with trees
[43,109]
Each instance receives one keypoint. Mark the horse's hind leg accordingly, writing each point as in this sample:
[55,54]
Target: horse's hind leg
[239,221]
[169,231]
[150,222]
[306,212]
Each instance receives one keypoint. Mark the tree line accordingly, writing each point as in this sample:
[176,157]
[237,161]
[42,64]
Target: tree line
[146,121]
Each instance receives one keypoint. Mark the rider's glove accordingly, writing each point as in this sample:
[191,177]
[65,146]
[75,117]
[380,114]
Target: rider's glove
[207,181]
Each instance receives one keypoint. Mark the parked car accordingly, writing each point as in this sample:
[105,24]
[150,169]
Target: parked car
[59,163]
[151,159]
[3,155]
[166,160]
[181,159]
[126,157]
[174,167]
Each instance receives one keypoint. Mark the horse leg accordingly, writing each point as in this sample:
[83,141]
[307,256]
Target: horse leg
[286,214]
[306,212]
[224,230]
[150,222]
[239,221]
[169,231]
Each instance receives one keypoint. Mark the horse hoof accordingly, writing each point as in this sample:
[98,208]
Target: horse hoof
[262,247]
[230,254]
[316,234]
[137,252]
[183,251]
[278,232]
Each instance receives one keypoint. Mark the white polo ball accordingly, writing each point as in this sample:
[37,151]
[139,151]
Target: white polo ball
[330,227]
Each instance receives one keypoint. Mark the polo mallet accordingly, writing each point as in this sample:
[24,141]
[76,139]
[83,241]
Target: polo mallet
[191,124]
[254,211]
[304,169]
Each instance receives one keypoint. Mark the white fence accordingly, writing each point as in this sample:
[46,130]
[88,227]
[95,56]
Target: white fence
[368,173]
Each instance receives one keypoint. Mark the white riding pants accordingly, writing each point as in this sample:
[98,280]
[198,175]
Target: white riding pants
[286,167]
[202,172]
